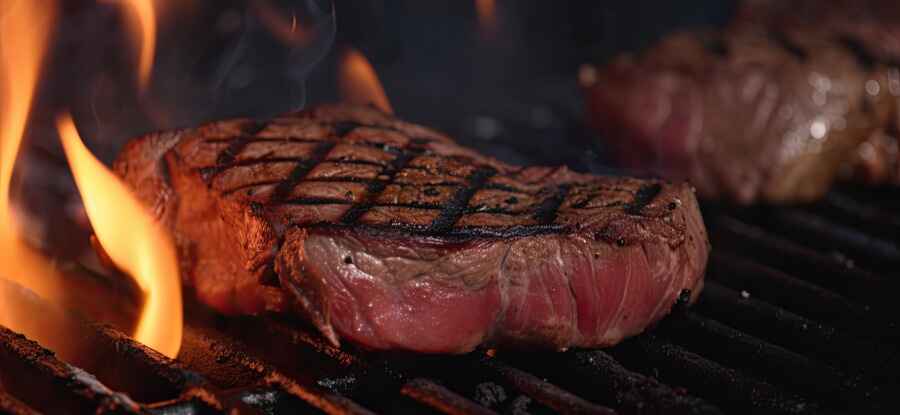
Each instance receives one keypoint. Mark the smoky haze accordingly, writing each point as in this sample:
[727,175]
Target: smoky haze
[213,60]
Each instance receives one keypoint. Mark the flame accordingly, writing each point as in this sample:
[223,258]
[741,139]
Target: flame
[359,83]
[129,235]
[487,16]
[143,28]
[24,32]
[135,242]
[288,31]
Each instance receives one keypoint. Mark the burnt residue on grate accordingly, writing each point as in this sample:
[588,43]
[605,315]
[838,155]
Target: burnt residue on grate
[36,377]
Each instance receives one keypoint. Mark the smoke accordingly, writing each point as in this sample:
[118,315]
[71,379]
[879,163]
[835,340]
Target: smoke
[213,60]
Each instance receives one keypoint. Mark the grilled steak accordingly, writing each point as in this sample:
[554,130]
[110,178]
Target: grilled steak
[744,115]
[392,236]
[873,24]
[871,30]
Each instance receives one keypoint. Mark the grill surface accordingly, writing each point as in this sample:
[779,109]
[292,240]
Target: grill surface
[797,317]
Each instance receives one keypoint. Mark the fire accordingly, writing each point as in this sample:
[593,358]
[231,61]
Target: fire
[487,16]
[129,235]
[24,31]
[135,242]
[291,32]
[359,83]
[143,27]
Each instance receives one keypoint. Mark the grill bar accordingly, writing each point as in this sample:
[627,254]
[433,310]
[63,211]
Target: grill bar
[788,329]
[726,387]
[37,377]
[441,398]
[871,217]
[764,359]
[782,289]
[826,235]
[596,374]
[227,365]
[826,270]
[544,392]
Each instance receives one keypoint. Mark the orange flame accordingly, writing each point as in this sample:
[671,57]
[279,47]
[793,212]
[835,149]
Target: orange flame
[359,83]
[133,240]
[143,28]
[487,16]
[290,32]
[24,31]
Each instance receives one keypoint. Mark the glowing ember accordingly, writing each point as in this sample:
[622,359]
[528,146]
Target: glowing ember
[359,83]
[143,29]
[133,240]
[24,31]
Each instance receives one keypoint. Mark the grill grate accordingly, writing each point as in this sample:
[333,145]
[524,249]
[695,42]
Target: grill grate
[783,326]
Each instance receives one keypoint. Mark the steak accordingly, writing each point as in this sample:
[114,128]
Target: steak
[744,115]
[871,28]
[874,24]
[391,236]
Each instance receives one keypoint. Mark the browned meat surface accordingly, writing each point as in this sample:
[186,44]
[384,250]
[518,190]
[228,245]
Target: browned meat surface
[744,115]
[871,29]
[390,235]
[874,24]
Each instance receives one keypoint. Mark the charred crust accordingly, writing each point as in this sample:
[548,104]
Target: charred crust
[788,45]
[547,211]
[165,172]
[343,128]
[456,235]
[863,57]
[716,45]
[539,201]
[257,209]
[226,158]
[301,170]
[643,197]
[457,205]
[231,152]
[376,188]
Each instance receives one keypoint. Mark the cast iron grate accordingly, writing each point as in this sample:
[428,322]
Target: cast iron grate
[795,318]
